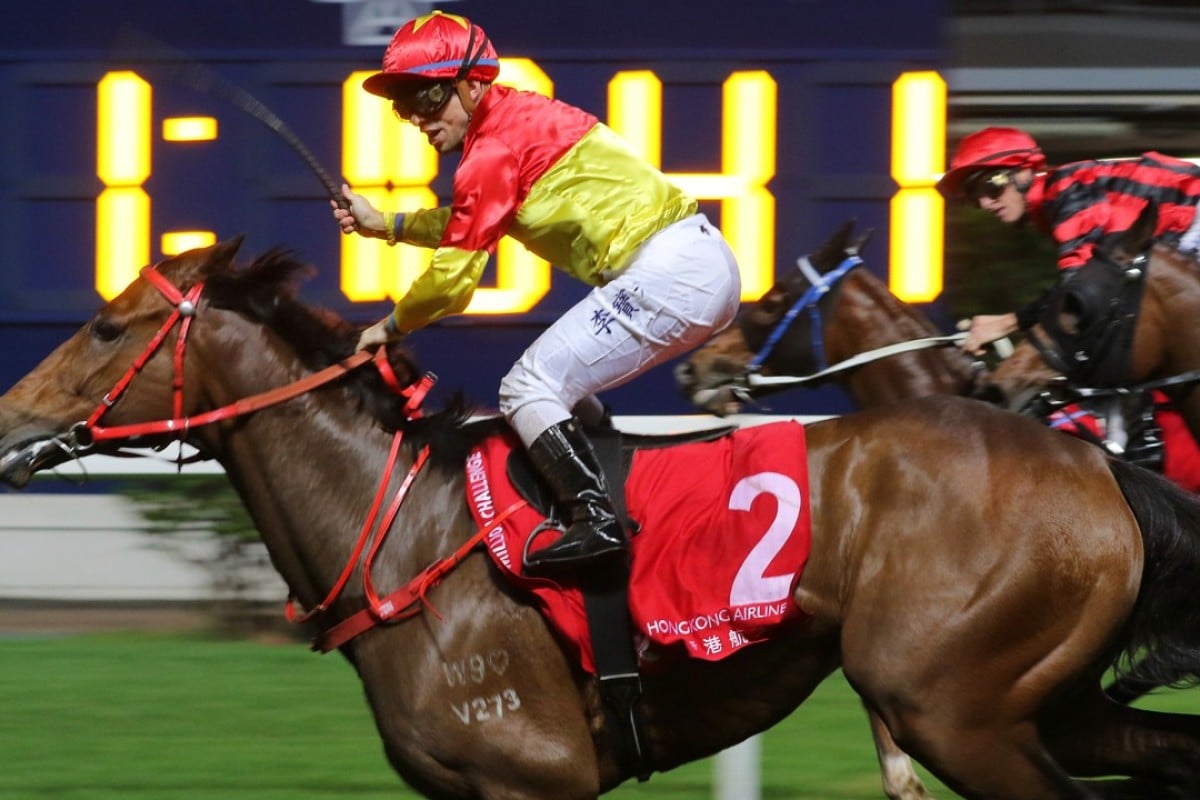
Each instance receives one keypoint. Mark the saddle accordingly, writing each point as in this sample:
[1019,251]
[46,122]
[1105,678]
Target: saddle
[615,450]
[606,600]
[1090,321]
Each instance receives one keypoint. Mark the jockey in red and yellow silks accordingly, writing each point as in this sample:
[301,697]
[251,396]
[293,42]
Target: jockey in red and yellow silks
[552,177]
[564,185]
[1002,171]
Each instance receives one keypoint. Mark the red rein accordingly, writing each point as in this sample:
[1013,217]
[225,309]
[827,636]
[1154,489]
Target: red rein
[401,604]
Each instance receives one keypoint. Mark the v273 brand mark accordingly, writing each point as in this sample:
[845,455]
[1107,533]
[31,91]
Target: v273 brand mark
[482,709]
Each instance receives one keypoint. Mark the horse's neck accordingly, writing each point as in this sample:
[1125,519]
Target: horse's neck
[870,317]
[307,471]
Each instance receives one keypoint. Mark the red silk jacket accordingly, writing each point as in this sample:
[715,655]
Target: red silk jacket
[1081,202]
[555,179]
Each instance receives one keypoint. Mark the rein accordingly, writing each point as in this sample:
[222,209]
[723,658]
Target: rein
[754,380]
[1181,379]
[401,604]
[820,286]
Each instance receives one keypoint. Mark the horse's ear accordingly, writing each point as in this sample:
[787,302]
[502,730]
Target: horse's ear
[860,243]
[829,254]
[223,253]
[1128,244]
[1141,232]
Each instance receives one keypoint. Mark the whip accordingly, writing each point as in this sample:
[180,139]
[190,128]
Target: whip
[191,74]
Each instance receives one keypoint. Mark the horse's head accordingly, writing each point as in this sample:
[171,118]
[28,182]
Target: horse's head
[1071,342]
[38,413]
[192,333]
[714,374]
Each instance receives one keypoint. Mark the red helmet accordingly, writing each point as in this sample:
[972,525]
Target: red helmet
[996,148]
[435,47]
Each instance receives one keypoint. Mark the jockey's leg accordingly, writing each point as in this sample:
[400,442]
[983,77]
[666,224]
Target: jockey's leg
[682,286]
[564,457]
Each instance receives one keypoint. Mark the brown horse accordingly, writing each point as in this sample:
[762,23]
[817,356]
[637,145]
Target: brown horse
[975,616]
[1164,345]
[856,315]
[867,328]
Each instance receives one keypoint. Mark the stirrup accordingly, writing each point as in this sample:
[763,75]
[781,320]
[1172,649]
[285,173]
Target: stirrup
[602,550]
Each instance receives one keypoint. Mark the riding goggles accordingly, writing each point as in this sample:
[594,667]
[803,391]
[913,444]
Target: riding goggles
[423,101]
[988,183]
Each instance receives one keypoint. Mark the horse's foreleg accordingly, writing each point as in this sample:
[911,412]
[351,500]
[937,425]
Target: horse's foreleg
[900,779]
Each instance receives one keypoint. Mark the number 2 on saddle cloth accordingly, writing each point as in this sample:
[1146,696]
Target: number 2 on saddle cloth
[723,534]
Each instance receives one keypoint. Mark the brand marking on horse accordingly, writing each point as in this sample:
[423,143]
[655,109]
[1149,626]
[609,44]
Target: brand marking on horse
[482,709]
[474,668]
[498,661]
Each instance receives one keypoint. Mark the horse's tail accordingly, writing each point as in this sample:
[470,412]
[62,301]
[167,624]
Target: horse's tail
[1161,646]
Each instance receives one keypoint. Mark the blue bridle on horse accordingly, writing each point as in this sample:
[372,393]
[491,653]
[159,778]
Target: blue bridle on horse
[820,285]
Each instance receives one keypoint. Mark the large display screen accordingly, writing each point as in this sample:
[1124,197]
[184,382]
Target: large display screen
[109,162]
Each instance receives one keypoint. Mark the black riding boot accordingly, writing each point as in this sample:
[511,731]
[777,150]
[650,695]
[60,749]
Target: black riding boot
[564,457]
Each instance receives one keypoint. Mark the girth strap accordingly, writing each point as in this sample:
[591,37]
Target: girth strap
[606,601]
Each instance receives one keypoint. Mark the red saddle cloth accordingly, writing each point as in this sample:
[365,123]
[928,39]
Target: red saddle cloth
[724,533]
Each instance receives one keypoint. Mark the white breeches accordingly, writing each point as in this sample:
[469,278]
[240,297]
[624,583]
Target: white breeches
[680,288]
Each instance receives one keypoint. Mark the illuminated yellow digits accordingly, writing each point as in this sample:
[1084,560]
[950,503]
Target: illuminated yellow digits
[379,154]
[917,209]
[748,139]
[392,166]
[123,165]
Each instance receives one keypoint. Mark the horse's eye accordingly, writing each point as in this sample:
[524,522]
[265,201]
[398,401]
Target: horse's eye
[106,330]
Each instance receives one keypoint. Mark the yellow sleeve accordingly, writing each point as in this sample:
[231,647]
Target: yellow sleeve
[424,227]
[443,289]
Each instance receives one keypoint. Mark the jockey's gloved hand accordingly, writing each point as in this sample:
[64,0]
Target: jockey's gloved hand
[381,333]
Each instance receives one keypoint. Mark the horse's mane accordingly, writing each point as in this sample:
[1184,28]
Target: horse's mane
[266,292]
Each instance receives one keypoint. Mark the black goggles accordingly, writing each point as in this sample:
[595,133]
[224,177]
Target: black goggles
[989,183]
[424,101]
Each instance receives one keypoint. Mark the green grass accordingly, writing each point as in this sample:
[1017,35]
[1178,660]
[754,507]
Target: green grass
[158,717]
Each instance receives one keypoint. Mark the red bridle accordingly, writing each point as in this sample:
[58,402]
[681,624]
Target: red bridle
[84,434]
[401,604]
